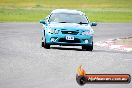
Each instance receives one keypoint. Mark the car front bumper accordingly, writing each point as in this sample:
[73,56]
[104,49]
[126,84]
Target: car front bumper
[59,39]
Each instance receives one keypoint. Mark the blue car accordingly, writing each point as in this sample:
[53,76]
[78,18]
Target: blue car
[69,28]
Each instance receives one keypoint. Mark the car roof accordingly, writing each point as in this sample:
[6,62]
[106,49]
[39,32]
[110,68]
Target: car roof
[67,11]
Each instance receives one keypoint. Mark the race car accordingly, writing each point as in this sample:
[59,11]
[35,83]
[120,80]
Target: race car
[69,28]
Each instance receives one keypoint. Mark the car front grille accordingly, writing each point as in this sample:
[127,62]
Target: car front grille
[70,32]
[69,41]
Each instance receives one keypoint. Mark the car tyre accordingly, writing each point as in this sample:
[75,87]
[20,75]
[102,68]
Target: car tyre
[88,47]
[83,47]
[45,45]
[42,44]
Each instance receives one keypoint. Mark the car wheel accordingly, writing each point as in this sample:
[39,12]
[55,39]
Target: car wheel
[42,43]
[46,46]
[83,47]
[88,48]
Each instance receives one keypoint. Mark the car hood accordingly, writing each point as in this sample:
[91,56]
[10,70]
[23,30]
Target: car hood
[70,26]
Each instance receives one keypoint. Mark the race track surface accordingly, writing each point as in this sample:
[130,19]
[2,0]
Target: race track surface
[25,64]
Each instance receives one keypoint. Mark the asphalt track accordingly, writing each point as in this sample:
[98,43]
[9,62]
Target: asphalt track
[25,64]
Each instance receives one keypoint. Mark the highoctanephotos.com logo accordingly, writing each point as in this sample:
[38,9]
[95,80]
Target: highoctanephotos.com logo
[83,78]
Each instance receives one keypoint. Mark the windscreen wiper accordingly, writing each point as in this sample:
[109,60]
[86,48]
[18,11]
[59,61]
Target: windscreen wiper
[62,22]
[82,23]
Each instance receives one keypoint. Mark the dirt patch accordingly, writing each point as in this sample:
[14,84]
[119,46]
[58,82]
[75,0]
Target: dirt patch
[124,41]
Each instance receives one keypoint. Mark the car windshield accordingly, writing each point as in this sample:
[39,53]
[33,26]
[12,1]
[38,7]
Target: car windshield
[68,18]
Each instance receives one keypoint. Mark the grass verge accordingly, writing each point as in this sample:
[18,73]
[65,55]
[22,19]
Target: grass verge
[34,15]
[96,10]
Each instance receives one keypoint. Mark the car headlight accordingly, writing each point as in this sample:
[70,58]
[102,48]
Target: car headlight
[86,33]
[53,31]
[90,32]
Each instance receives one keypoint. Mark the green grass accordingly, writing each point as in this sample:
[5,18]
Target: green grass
[68,3]
[96,10]
[22,15]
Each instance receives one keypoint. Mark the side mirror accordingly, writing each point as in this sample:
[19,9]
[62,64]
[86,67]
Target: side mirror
[42,21]
[93,23]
